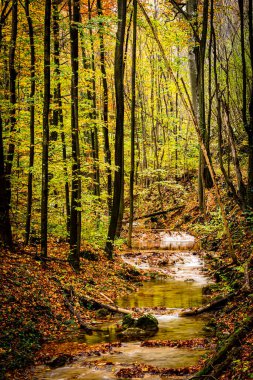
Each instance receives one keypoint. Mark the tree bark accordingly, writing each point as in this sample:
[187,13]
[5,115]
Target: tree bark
[75,217]
[45,142]
[5,224]
[119,134]
[247,121]
[93,114]
[32,122]
[58,119]
[107,150]
[133,104]
[13,97]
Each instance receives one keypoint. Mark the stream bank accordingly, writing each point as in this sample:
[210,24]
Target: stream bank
[179,343]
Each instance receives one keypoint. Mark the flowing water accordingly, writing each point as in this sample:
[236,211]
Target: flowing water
[179,286]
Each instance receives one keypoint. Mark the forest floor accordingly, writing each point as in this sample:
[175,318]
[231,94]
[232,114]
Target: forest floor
[42,303]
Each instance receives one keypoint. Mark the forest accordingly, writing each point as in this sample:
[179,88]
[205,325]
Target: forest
[126,156]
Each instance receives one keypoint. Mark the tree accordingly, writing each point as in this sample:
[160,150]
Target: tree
[247,115]
[58,112]
[119,133]
[133,105]
[107,150]
[75,216]
[32,122]
[5,224]
[45,142]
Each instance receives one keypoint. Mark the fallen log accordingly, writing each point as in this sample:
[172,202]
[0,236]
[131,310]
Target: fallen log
[156,213]
[85,326]
[68,299]
[209,307]
[159,212]
[214,366]
[112,308]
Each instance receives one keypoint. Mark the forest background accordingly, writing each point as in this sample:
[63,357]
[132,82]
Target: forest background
[185,82]
[111,111]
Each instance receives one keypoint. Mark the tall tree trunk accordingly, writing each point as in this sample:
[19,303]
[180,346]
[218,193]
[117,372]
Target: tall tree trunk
[193,67]
[58,116]
[107,150]
[32,121]
[45,142]
[5,224]
[250,124]
[197,75]
[94,131]
[119,134]
[133,105]
[75,217]
[122,197]
[237,196]
[13,97]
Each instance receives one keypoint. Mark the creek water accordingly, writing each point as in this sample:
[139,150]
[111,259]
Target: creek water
[179,283]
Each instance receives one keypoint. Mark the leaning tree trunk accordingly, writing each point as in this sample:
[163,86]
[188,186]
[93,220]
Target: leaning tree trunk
[119,134]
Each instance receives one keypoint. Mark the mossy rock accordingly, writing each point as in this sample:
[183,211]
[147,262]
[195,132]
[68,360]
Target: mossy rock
[133,333]
[128,321]
[60,361]
[147,322]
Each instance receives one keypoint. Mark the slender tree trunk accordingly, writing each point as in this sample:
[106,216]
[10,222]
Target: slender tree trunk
[133,105]
[45,143]
[5,224]
[94,131]
[13,97]
[32,122]
[229,182]
[122,197]
[250,126]
[75,217]
[119,135]
[58,116]
[107,151]
[194,78]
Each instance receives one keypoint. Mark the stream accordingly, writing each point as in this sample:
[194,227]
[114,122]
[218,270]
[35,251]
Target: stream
[180,278]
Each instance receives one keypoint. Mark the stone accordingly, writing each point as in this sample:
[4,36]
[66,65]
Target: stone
[133,333]
[146,322]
